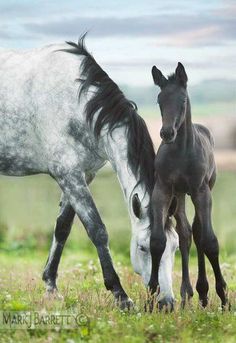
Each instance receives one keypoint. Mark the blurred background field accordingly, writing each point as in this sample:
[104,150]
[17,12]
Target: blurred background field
[29,206]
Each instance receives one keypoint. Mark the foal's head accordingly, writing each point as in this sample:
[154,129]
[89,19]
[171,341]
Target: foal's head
[172,100]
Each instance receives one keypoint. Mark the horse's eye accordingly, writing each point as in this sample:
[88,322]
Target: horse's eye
[142,248]
[136,204]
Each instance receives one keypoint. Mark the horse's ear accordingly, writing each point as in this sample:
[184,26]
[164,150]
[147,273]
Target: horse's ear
[181,75]
[158,78]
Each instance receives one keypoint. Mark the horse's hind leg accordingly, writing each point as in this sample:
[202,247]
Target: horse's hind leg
[61,233]
[202,202]
[184,231]
[75,188]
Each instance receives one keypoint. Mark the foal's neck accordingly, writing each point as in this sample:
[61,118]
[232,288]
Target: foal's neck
[184,137]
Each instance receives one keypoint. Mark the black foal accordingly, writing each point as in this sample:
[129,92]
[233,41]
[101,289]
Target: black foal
[184,164]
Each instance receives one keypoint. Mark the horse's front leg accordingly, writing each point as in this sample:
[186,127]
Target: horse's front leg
[203,204]
[61,233]
[160,203]
[184,231]
[75,188]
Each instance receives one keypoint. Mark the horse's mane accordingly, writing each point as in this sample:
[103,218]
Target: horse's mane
[114,110]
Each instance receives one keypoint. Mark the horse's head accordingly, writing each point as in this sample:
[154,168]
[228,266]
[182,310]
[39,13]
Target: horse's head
[140,240]
[173,101]
[140,246]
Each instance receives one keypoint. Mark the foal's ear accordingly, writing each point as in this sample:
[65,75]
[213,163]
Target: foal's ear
[158,78]
[181,75]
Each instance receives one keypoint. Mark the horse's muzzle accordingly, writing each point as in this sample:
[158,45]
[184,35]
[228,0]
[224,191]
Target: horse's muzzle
[167,135]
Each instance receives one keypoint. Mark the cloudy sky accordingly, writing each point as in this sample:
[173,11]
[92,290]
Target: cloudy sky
[128,37]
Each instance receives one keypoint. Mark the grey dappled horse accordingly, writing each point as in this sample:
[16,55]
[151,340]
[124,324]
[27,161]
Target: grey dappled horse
[48,127]
[184,164]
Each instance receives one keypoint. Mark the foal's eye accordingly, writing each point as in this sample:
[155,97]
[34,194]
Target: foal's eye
[184,104]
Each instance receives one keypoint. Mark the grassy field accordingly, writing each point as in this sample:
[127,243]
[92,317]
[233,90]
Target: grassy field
[28,209]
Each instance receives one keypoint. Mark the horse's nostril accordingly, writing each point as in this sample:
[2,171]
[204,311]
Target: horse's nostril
[167,134]
[162,133]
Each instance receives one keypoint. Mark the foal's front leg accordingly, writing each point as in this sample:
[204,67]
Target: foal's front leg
[74,186]
[184,231]
[202,285]
[203,203]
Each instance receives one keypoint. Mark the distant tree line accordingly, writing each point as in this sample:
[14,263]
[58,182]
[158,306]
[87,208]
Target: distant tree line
[207,91]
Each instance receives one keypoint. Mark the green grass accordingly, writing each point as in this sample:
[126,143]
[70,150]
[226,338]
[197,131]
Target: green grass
[82,287]
[28,210]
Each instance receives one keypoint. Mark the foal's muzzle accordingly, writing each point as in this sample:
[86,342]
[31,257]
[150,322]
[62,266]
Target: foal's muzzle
[167,134]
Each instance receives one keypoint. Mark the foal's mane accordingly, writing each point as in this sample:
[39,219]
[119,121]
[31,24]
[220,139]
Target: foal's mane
[172,78]
[114,110]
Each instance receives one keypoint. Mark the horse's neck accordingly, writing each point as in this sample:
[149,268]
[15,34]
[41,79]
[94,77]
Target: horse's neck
[115,146]
[185,132]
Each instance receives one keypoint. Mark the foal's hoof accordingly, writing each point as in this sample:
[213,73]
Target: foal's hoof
[226,307]
[203,302]
[225,304]
[186,292]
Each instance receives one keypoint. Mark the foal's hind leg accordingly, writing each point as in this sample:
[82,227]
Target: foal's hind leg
[202,202]
[184,231]
[202,285]
[61,233]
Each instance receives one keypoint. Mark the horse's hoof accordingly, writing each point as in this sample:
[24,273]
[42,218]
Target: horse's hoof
[126,304]
[53,294]
[166,304]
